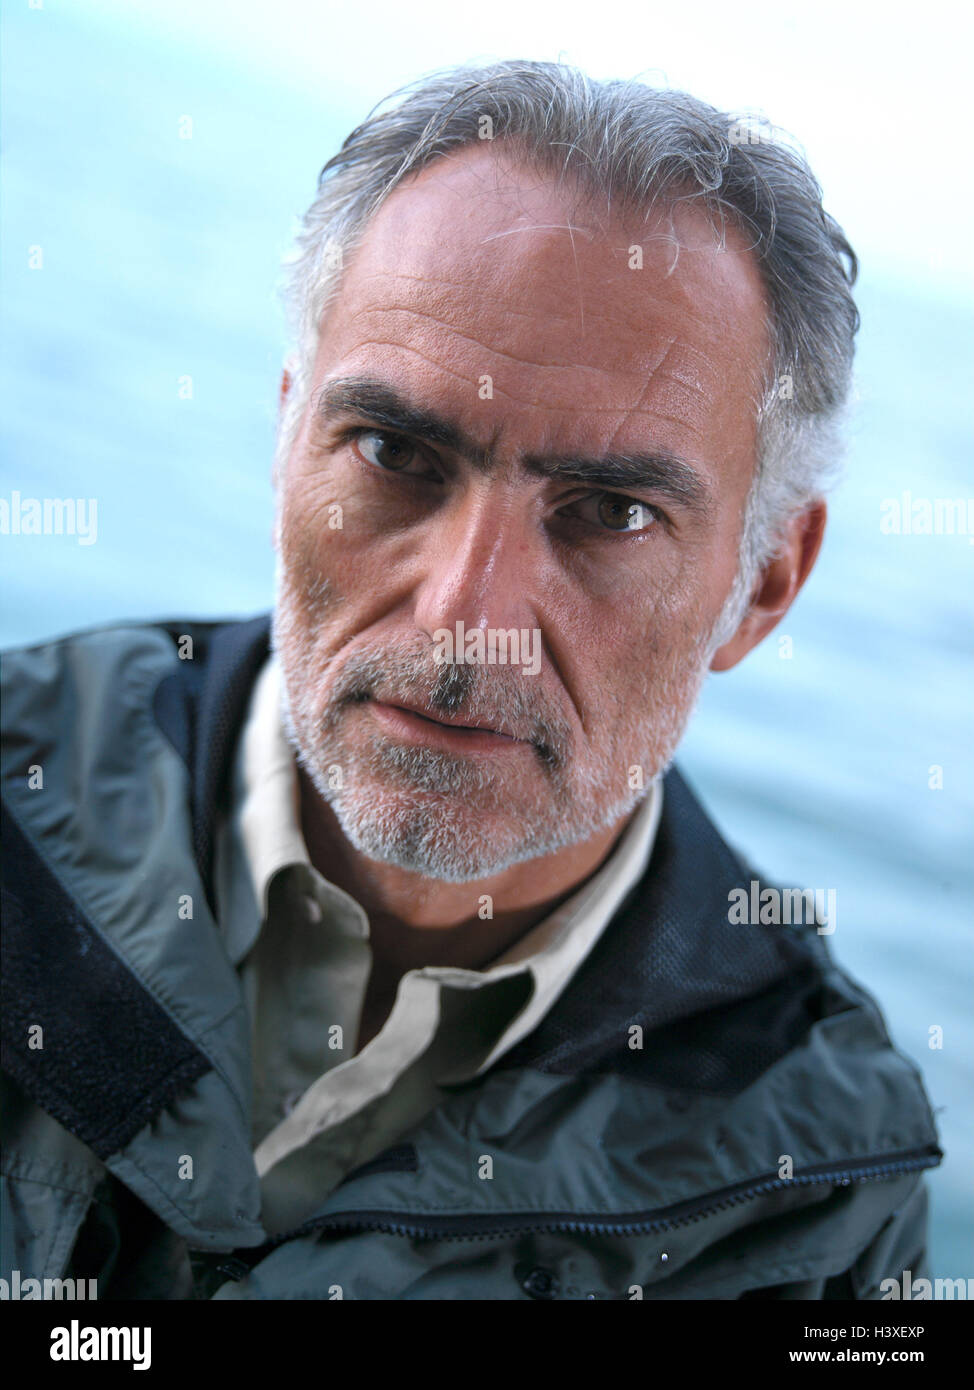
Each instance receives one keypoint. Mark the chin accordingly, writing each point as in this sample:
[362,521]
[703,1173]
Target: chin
[460,837]
[437,835]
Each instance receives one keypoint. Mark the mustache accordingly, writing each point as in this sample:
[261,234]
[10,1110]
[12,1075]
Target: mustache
[495,696]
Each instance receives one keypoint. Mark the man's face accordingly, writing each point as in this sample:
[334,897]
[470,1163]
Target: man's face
[519,317]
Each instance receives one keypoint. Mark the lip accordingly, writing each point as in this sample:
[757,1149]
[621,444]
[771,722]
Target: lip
[414,726]
[443,719]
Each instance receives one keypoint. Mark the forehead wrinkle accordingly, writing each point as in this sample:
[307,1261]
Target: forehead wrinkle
[438,293]
[689,364]
[664,368]
[505,309]
[477,342]
[472,451]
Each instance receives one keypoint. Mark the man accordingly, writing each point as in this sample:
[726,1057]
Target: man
[338,938]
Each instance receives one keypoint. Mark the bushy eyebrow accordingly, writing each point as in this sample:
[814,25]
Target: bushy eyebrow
[381,404]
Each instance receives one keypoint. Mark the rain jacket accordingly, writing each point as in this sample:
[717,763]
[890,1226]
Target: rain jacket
[708,1111]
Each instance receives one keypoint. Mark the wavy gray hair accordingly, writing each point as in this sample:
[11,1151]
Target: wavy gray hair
[642,146]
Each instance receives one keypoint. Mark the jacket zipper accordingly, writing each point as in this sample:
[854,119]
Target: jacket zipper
[639,1223]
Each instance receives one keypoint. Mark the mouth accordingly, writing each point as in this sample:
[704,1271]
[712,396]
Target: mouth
[416,726]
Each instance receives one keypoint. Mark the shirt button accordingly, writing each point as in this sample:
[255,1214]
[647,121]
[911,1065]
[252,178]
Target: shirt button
[312,907]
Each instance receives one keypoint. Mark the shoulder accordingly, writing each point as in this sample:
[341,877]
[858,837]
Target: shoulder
[59,660]
[112,724]
[156,667]
[46,683]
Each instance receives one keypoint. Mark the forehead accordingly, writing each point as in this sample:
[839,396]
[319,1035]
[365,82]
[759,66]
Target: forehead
[480,265]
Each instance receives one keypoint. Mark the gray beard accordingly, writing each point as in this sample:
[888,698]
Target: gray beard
[421,833]
[415,823]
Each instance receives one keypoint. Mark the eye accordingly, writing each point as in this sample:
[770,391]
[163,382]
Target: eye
[392,452]
[612,511]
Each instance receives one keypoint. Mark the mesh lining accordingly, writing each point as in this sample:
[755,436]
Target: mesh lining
[718,1004]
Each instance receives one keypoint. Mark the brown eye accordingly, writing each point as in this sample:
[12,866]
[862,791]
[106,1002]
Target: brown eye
[624,514]
[390,451]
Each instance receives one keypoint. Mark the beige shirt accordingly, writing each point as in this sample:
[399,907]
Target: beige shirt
[301,945]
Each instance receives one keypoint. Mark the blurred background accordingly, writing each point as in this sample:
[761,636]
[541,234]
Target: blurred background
[156,156]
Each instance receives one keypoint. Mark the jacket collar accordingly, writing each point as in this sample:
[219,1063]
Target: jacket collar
[200,706]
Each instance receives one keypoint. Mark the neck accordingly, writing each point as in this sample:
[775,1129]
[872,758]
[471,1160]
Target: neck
[416,921]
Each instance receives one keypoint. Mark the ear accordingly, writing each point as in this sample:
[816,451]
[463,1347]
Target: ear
[777,586]
[285,387]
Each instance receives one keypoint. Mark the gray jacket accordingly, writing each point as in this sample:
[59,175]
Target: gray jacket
[766,1140]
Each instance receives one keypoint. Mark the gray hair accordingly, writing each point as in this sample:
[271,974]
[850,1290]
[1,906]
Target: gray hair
[644,147]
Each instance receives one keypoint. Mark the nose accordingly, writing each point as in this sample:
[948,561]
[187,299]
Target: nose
[479,564]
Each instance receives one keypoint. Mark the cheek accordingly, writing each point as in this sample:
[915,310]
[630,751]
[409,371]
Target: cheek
[304,552]
[340,522]
[324,538]
[684,607]
[636,650]
[640,610]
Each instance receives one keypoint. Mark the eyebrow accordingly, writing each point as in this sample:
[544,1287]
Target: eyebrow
[658,470]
